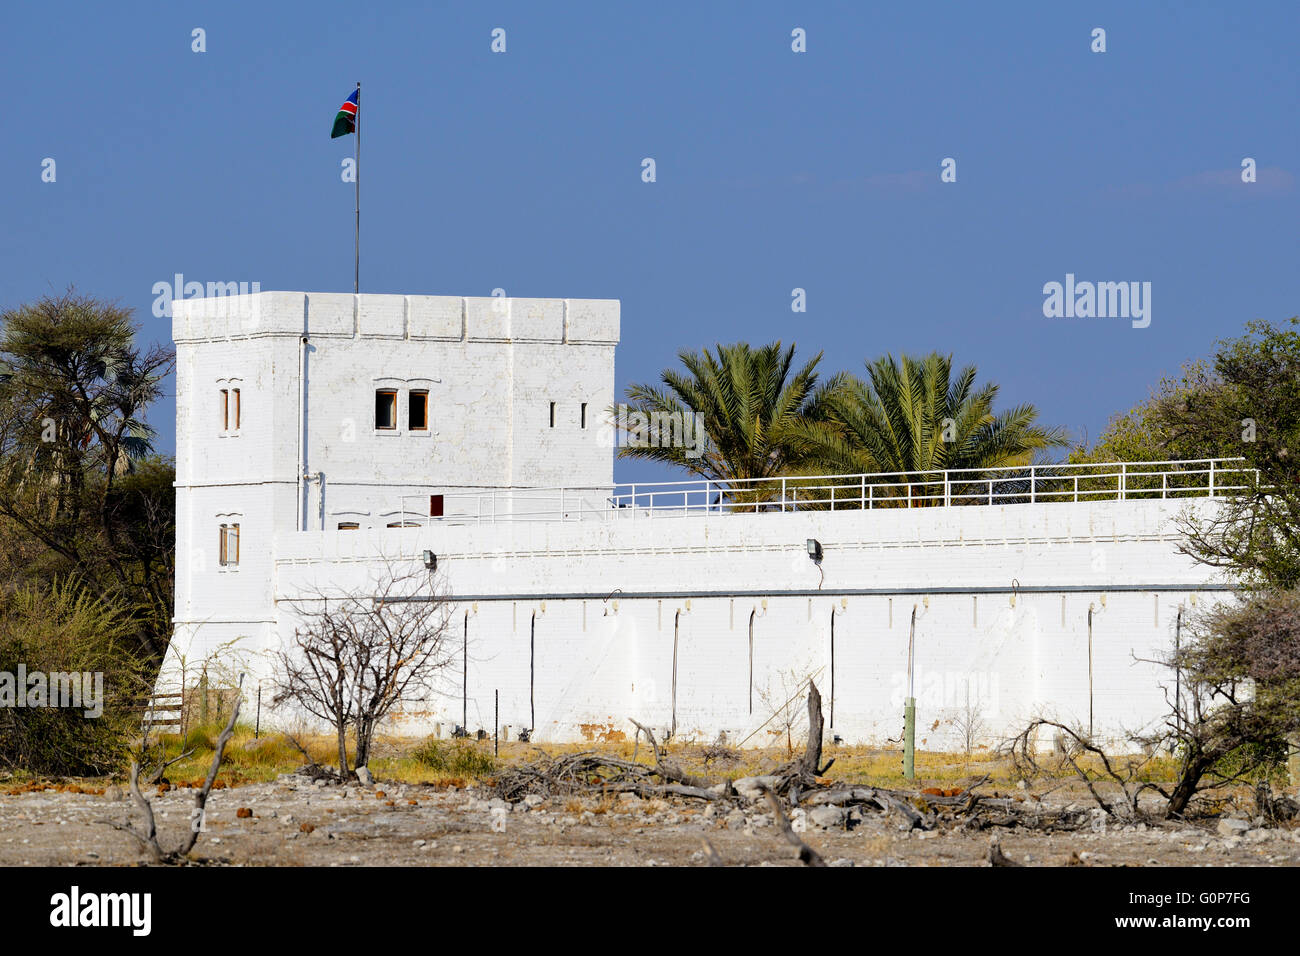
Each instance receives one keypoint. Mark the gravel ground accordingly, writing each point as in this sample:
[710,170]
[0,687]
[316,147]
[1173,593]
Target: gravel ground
[294,822]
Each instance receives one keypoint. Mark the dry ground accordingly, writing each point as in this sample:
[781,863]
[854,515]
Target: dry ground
[401,821]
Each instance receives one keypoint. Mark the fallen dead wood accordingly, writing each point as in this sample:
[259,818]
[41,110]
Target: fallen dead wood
[997,857]
[800,782]
[807,855]
[590,771]
[668,771]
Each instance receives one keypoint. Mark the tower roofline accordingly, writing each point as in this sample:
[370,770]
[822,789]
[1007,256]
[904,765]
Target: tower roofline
[397,317]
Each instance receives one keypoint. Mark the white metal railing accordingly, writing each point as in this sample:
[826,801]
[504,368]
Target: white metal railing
[1030,484]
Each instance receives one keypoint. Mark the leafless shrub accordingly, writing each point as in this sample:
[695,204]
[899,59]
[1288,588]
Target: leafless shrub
[969,723]
[148,839]
[359,654]
[1081,755]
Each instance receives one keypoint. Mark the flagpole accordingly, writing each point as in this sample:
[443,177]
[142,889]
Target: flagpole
[356,275]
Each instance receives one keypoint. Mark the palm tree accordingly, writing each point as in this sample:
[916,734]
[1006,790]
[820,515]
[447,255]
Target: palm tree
[751,402]
[913,417]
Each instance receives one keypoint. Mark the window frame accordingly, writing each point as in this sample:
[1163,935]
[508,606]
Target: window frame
[393,394]
[411,394]
[227,532]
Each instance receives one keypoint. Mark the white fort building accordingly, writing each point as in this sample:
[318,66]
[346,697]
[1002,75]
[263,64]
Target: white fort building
[321,435]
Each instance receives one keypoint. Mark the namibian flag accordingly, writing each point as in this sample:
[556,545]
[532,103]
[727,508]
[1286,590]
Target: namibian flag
[346,120]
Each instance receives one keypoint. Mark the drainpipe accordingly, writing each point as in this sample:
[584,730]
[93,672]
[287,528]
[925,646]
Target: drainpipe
[676,620]
[909,708]
[301,520]
[751,659]
[305,479]
[832,726]
[1178,670]
[532,657]
[464,677]
[1090,671]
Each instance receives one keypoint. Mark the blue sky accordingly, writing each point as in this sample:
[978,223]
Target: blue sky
[775,170]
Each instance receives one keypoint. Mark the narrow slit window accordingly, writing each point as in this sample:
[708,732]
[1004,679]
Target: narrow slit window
[552,414]
[349,526]
[386,409]
[235,394]
[417,414]
[584,414]
[225,410]
[228,545]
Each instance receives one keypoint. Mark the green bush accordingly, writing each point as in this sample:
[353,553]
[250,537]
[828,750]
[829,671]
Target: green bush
[64,630]
[457,757]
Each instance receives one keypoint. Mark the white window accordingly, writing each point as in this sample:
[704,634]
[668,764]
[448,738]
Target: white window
[229,407]
[228,546]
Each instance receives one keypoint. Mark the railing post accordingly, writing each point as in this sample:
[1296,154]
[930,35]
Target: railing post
[1211,477]
[782,495]
[947,490]
[862,498]
[1076,489]
[1123,480]
[1033,498]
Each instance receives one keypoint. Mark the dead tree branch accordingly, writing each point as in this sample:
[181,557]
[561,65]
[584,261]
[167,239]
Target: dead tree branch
[807,855]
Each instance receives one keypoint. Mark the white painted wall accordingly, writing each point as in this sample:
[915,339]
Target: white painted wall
[1002,593]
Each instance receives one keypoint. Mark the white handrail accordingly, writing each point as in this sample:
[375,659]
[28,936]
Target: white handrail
[1114,481]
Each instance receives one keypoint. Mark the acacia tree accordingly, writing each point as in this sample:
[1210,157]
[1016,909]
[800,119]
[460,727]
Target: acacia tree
[1253,399]
[358,654]
[76,476]
[1241,670]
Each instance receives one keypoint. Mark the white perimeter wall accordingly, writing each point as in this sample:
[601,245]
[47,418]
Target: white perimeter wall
[1002,598]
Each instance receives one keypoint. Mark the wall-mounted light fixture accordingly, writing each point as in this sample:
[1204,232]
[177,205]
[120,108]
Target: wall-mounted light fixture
[430,560]
[815,550]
